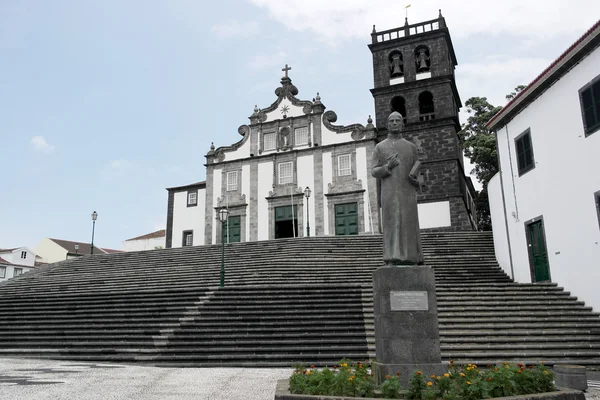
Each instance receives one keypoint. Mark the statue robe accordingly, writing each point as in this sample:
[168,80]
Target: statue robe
[400,219]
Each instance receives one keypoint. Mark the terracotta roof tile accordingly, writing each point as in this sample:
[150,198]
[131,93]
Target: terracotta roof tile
[84,248]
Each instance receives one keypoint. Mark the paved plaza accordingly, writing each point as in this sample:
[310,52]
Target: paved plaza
[33,379]
[23,379]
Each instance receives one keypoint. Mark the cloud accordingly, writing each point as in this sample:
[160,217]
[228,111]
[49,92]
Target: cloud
[263,61]
[234,29]
[335,20]
[120,164]
[40,144]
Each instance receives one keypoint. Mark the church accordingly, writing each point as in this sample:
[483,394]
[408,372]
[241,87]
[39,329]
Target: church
[296,173]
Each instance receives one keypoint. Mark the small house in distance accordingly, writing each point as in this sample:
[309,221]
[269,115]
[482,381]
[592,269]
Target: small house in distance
[16,261]
[55,250]
[149,241]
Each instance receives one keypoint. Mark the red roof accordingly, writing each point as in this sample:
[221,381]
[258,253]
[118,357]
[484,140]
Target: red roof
[153,235]
[3,261]
[111,251]
[84,248]
[562,64]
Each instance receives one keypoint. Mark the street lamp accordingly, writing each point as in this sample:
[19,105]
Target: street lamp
[94,217]
[307,195]
[76,248]
[223,215]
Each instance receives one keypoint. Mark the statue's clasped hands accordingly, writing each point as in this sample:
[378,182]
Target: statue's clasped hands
[392,161]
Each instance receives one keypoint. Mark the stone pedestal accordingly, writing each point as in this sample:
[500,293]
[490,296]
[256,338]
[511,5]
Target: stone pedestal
[407,336]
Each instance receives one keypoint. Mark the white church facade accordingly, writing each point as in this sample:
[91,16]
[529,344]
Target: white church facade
[545,201]
[293,147]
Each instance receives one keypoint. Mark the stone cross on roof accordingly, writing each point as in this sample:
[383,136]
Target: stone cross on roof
[286,69]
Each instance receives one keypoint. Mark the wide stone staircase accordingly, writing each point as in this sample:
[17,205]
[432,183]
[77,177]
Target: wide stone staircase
[284,301]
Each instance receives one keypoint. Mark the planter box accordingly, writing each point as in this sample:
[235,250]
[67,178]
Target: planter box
[282,392]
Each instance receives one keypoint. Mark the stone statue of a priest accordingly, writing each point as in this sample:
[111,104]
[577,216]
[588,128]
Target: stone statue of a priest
[396,163]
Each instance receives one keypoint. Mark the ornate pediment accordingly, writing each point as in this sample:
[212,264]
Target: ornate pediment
[358,131]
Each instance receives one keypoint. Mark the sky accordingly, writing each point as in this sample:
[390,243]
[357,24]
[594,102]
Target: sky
[104,104]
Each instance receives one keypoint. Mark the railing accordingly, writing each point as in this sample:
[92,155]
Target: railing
[407,30]
[426,117]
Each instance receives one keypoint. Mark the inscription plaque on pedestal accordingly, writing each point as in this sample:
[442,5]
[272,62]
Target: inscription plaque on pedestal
[409,301]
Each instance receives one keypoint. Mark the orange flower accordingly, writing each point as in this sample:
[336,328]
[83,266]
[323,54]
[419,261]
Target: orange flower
[312,366]
[432,376]
[387,377]
[308,372]
[468,383]
[397,373]
[451,361]
[462,374]
[335,367]
[519,371]
[489,379]
[447,375]
[429,384]
[419,373]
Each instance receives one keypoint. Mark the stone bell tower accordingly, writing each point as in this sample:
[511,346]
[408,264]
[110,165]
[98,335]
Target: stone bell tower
[413,68]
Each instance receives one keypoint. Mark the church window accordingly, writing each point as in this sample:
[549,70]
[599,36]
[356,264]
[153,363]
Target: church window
[396,64]
[589,97]
[286,172]
[525,161]
[301,136]
[399,105]
[2,272]
[344,165]
[426,107]
[17,272]
[192,199]
[232,181]
[188,238]
[422,60]
[269,141]
[23,254]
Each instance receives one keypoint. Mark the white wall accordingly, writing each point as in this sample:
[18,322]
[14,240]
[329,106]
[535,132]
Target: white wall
[188,218]
[50,252]
[242,152]
[294,111]
[330,137]
[327,179]
[499,224]
[560,187]
[10,271]
[265,184]
[305,167]
[150,244]
[363,174]
[434,215]
[246,191]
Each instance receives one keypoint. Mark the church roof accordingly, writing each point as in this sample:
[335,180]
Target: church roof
[567,60]
[84,248]
[153,235]
[199,185]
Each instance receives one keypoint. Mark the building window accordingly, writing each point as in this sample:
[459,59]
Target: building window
[17,272]
[269,141]
[232,181]
[525,160]
[188,238]
[399,105]
[301,136]
[344,165]
[23,254]
[286,173]
[589,97]
[192,199]
[2,272]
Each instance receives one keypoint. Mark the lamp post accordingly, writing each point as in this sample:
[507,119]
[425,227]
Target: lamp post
[307,195]
[94,217]
[223,215]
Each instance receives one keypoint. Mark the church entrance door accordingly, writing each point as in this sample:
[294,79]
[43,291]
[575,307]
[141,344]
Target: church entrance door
[234,226]
[346,219]
[286,222]
[538,254]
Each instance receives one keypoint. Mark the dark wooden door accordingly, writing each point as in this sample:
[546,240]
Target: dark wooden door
[538,254]
[233,224]
[346,219]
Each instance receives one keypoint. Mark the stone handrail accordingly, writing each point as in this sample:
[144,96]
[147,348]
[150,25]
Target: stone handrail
[407,30]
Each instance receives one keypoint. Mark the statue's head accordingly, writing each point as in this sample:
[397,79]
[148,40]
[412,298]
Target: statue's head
[395,122]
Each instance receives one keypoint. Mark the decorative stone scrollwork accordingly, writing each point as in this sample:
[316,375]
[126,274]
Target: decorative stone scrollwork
[307,109]
[220,156]
[262,117]
[357,130]
[330,116]
[345,186]
[358,134]
[231,200]
[244,130]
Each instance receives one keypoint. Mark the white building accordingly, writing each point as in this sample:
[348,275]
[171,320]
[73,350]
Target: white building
[16,261]
[545,199]
[150,241]
[54,250]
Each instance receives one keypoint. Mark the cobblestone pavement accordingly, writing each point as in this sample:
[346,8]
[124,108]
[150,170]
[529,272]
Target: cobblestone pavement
[33,379]
[25,379]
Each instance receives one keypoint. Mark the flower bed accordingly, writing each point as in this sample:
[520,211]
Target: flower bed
[354,379]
